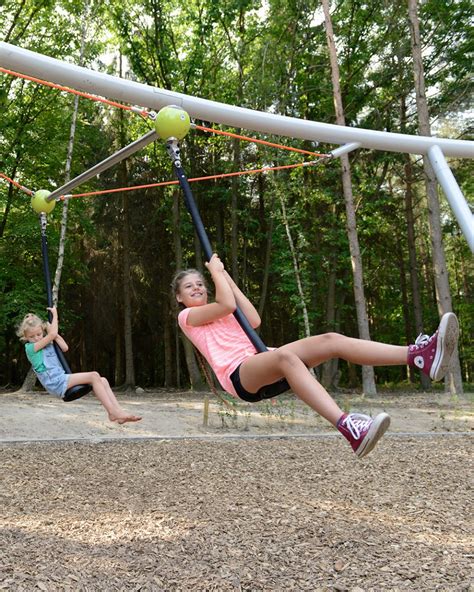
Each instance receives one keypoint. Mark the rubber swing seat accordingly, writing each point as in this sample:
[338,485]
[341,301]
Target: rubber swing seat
[76,392]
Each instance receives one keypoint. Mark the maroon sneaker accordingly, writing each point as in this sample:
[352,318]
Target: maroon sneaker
[432,355]
[362,431]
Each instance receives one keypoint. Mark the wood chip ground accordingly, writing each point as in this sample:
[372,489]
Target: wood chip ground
[290,514]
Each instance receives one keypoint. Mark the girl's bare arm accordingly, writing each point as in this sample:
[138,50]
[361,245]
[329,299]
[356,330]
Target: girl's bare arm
[224,302]
[244,303]
[52,331]
[62,343]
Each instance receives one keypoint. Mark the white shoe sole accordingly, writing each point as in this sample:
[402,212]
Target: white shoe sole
[376,431]
[448,333]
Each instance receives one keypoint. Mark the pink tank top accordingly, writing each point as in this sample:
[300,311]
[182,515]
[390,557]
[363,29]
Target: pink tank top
[223,343]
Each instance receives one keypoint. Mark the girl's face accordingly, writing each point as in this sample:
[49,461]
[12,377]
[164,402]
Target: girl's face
[192,290]
[34,334]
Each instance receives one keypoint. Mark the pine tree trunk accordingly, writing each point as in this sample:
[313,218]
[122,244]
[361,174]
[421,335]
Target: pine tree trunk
[127,299]
[368,377]
[67,175]
[443,295]
[167,336]
[296,269]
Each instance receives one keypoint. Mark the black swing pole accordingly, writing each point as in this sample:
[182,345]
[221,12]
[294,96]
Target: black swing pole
[80,390]
[172,148]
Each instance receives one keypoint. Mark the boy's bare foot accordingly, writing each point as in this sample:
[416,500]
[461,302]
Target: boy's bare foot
[124,418]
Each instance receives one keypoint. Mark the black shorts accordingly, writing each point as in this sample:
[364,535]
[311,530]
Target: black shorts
[266,392]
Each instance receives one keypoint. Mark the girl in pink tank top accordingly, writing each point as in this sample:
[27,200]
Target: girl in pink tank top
[243,372]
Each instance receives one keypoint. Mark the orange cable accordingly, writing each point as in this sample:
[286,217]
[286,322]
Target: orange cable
[25,189]
[273,145]
[144,113]
[163,183]
[70,90]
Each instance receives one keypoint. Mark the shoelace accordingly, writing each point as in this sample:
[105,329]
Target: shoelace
[421,341]
[356,423]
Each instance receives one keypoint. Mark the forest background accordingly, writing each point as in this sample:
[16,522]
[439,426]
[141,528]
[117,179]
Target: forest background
[282,235]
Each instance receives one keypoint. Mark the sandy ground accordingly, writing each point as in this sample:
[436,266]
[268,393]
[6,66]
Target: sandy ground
[38,416]
[263,498]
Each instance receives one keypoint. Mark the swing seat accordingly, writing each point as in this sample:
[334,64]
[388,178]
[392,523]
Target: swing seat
[76,392]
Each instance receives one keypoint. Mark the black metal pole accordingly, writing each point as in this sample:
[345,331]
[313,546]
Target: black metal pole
[173,151]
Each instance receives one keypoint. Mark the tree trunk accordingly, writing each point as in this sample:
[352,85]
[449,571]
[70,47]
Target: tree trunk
[118,370]
[126,263]
[67,169]
[29,382]
[453,380]
[168,380]
[8,205]
[127,296]
[368,377]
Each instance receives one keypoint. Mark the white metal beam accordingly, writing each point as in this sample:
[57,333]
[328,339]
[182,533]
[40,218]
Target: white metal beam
[83,79]
[453,193]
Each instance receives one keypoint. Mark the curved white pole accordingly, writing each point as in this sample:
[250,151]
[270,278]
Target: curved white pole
[453,193]
[52,70]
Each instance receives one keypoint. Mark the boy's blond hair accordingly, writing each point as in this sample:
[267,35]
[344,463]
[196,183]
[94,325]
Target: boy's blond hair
[30,321]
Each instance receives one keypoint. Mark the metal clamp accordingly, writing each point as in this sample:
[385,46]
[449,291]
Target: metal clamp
[172,147]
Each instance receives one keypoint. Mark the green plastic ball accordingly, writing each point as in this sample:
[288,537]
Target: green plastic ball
[39,203]
[172,122]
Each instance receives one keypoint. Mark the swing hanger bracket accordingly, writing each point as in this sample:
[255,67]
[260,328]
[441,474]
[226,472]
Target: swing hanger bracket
[43,221]
[172,147]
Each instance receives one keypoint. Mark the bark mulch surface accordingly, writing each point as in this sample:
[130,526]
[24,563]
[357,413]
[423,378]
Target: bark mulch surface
[248,514]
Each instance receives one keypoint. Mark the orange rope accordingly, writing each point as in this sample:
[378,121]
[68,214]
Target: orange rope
[214,131]
[144,113]
[28,191]
[164,183]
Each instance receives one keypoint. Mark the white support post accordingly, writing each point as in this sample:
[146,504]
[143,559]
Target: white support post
[453,193]
[345,149]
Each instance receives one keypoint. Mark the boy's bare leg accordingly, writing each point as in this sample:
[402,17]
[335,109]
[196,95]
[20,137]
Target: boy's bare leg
[104,393]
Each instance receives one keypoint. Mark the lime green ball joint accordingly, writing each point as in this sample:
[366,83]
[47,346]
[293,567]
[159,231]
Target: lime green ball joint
[172,122]
[39,203]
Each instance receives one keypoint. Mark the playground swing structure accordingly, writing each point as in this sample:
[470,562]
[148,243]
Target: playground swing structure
[172,123]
